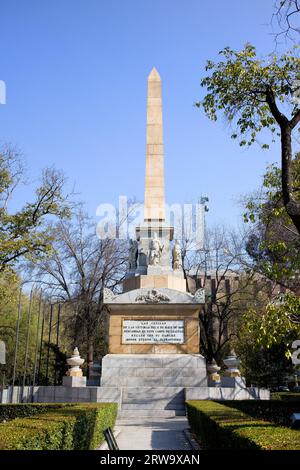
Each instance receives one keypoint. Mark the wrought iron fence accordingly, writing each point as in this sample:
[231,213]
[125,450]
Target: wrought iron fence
[36,358]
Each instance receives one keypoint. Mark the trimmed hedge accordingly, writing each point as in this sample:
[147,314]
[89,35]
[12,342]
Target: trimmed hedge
[22,410]
[276,411]
[219,426]
[63,427]
[286,396]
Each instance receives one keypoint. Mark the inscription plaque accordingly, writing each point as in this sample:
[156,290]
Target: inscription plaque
[153,331]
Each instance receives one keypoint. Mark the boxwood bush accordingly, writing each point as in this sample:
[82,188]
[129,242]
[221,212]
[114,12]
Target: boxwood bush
[23,410]
[276,411]
[286,396]
[63,427]
[219,426]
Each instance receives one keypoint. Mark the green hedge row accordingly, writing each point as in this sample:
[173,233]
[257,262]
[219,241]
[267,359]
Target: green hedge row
[219,426]
[276,411]
[23,410]
[63,427]
[286,396]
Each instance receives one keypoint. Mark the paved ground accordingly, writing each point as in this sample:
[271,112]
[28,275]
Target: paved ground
[152,434]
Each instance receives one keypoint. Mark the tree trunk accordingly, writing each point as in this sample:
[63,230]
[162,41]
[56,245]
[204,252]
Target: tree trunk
[90,355]
[292,207]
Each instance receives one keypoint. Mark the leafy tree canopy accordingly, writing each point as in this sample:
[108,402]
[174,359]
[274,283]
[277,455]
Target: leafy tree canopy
[278,324]
[245,87]
[256,95]
[274,243]
[24,233]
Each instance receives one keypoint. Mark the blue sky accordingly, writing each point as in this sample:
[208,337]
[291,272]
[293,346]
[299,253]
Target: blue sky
[76,77]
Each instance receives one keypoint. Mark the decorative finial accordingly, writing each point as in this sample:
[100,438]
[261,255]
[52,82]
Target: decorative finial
[75,361]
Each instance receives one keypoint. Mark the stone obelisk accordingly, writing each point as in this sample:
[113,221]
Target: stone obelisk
[154,229]
[153,324]
[154,203]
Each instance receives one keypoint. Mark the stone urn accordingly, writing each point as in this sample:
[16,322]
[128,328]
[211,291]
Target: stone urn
[213,369]
[232,363]
[75,361]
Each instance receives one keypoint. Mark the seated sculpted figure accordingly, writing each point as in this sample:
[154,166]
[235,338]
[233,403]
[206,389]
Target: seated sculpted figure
[155,250]
[133,254]
[177,260]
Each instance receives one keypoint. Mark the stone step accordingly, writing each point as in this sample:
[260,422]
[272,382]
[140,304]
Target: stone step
[150,372]
[153,399]
[159,403]
[127,381]
[146,395]
[123,414]
[153,406]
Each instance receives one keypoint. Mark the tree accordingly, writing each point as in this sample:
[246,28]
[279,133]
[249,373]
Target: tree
[24,233]
[286,15]
[11,300]
[274,243]
[219,270]
[276,322]
[265,338]
[263,367]
[75,273]
[253,94]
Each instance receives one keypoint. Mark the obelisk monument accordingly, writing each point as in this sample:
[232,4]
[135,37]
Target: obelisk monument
[154,203]
[154,361]
[154,289]
[153,325]
[154,230]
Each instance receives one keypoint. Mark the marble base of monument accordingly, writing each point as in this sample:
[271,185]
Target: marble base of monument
[226,393]
[132,401]
[233,382]
[71,381]
[154,370]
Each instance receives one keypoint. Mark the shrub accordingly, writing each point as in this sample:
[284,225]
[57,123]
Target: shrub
[286,396]
[63,427]
[23,410]
[219,426]
[276,411]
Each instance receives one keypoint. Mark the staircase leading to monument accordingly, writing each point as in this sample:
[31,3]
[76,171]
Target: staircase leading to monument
[158,402]
[151,384]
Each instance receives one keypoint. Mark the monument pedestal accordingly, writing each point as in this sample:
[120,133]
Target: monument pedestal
[153,370]
[71,381]
[152,385]
[233,382]
[147,321]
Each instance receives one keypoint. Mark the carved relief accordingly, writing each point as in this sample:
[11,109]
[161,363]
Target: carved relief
[108,294]
[152,296]
[199,296]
